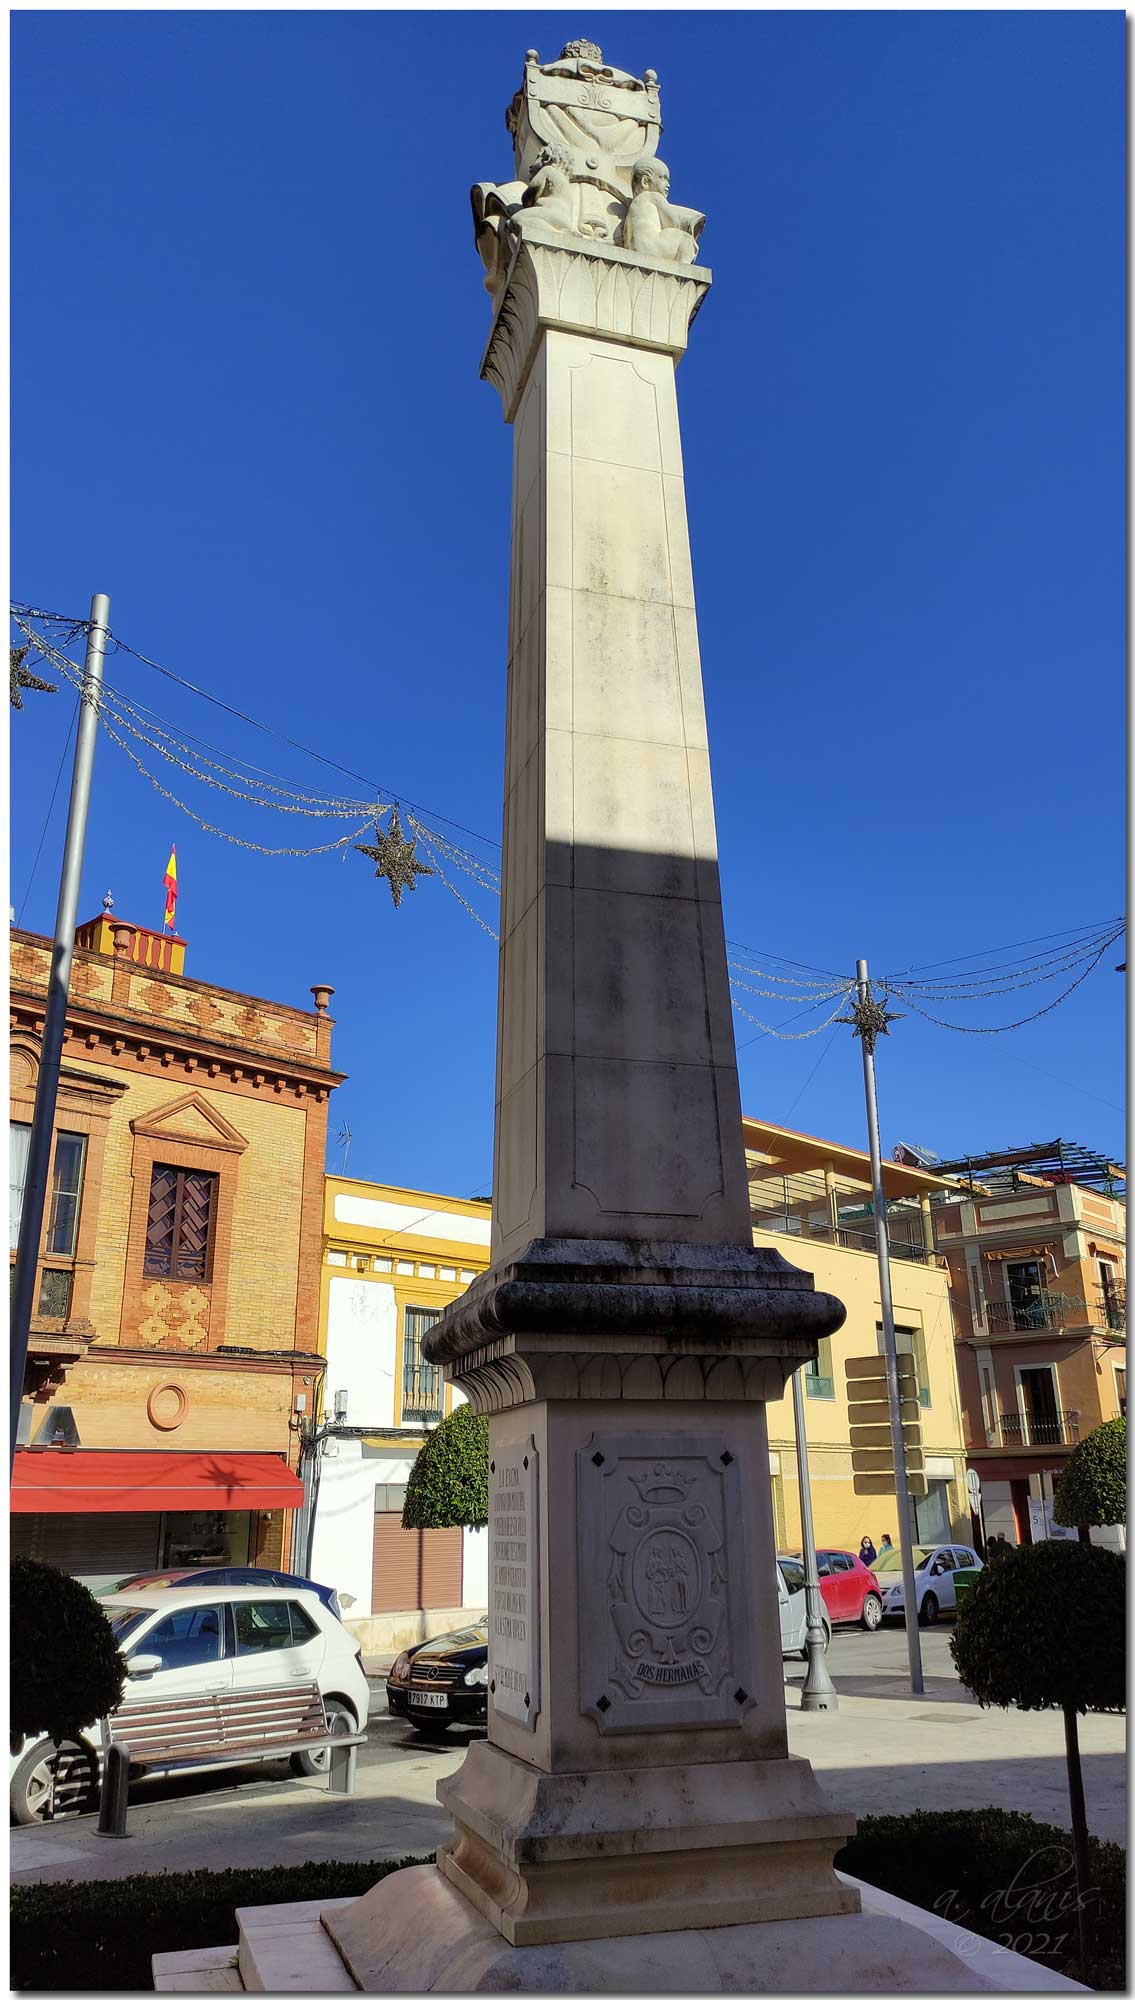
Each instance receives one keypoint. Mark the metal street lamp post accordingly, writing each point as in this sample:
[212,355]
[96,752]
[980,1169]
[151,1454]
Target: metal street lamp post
[818,1691]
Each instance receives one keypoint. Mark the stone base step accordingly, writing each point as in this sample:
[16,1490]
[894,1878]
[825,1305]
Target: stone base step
[890,1946]
[213,1970]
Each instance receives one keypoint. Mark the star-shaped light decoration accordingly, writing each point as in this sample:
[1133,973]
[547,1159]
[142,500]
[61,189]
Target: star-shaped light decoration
[870,1019]
[395,858]
[22,677]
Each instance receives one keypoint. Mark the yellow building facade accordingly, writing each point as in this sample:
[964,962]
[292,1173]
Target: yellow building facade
[392,1259]
[811,1200]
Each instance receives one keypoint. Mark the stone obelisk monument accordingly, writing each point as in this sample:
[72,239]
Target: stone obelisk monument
[634,1822]
[624,1342]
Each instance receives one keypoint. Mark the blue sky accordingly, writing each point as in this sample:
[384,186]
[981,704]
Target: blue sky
[247,320]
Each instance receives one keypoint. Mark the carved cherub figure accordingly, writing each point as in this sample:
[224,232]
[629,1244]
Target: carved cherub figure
[548,193]
[653,225]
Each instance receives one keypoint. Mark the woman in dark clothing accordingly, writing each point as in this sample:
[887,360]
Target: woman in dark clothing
[867,1551]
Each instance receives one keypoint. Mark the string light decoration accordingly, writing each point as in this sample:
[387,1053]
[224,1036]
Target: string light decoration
[146,738]
[394,856]
[870,1019]
[22,677]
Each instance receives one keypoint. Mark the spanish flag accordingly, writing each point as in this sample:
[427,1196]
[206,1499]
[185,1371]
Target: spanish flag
[170,881]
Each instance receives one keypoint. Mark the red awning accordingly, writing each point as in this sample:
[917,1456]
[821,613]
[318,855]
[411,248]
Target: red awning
[150,1482]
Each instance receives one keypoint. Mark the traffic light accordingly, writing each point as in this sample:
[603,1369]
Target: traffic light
[872,1441]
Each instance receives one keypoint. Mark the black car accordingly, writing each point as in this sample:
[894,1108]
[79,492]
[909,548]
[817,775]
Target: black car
[443,1680]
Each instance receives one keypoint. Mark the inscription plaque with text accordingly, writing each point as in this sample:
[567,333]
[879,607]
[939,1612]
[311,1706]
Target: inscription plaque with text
[514,1533]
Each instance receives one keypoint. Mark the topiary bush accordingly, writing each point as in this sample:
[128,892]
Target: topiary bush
[99,1937]
[448,1486]
[1045,1627]
[1091,1492]
[66,1670]
[1002,1874]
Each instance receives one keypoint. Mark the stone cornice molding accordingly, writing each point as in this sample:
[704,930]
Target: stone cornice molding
[114,1037]
[612,1320]
[587,287]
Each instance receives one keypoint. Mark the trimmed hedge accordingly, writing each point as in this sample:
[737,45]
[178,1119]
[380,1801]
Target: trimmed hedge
[448,1485]
[66,1669]
[1004,1875]
[99,1937]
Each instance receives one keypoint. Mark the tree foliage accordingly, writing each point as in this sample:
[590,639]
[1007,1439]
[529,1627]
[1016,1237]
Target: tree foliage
[67,1670]
[1044,1627]
[449,1484]
[1091,1492]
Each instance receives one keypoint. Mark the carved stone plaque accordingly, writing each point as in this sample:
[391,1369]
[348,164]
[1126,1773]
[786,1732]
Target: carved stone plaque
[664,1581]
[514,1538]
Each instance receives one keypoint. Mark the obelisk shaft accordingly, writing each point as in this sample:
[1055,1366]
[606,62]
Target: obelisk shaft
[618,1111]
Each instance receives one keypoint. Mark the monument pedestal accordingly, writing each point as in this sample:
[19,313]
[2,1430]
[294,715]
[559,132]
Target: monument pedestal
[599,1854]
[416,1933]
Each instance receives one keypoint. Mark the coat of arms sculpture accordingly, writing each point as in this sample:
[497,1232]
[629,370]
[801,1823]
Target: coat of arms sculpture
[661,1640]
[585,141]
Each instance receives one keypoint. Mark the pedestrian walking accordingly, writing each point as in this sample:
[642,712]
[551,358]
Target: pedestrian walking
[886,1546]
[867,1551]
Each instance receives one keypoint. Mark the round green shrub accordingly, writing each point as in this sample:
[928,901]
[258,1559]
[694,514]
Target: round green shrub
[1091,1492]
[1044,1627]
[449,1484]
[66,1670]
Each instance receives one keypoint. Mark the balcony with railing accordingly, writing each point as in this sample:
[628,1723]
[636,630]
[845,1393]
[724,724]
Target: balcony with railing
[1047,1427]
[423,1393]
[1045,1312]
[818,1210]
[1110,1307]
[1057,1312]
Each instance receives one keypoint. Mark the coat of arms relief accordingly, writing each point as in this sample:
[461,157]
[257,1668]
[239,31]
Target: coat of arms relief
[585,142]
[662,1583]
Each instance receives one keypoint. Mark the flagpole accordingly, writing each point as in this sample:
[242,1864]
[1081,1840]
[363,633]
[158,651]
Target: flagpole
[41,1144]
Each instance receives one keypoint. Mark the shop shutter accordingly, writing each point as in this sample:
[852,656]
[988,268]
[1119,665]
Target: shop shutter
[415,1569]
[441,1567]
[395,1584]
[97,1548]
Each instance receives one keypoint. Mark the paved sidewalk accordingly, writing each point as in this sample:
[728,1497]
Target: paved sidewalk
[882,1752]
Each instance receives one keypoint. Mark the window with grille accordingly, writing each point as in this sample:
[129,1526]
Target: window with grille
[423,1390]
[179,1224]
[909,1340]
[19,1140]
[66,1194]
[819,1378]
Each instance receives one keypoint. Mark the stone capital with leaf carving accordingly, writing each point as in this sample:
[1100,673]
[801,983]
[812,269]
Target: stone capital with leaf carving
[589,288]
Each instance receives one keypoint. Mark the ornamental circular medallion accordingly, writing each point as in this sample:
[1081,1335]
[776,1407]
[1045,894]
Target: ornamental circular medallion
[166,1406]
[667,1578]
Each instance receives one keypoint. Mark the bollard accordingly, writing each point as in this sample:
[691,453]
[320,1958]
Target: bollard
[341,1776]
[113,1795]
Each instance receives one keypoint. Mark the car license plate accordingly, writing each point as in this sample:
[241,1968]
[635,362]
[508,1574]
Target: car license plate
[429,1701]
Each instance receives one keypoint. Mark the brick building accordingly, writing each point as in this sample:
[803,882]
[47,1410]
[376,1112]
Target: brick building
[1034,1239]
[175,1335]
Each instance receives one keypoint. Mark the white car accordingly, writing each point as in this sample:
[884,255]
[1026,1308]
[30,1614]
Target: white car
[793,1609]
[191,1642]
[934,1571]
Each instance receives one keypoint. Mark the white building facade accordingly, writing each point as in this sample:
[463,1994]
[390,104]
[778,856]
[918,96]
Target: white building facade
[392,1259]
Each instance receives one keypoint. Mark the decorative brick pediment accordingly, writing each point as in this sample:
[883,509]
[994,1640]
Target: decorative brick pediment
[190,1120]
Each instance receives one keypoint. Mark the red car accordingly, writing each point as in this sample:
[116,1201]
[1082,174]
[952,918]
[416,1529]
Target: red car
[849,1589]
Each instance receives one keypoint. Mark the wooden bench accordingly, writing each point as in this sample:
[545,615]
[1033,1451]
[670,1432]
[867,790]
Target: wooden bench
[228,1727]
